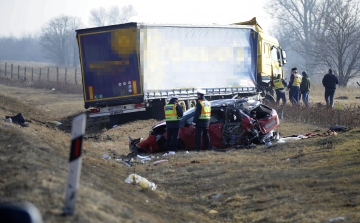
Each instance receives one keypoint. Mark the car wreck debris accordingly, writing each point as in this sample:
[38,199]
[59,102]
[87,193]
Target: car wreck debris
[234,123]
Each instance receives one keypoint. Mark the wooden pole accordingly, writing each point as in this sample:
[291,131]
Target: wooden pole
[18,71]
[65,74]
[75,76]
[57,74]
[48,74]
[11,70]
[32,74]
[25,73]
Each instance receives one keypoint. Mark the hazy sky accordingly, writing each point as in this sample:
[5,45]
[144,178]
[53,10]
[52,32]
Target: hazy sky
[19,17]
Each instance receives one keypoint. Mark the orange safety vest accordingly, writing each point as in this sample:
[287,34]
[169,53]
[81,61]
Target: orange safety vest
[278,84]
[171,113]
[206,110]
[297,80]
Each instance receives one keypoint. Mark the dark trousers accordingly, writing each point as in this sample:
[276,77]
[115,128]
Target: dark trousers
[172,138]
[280,94]
[329,97]
[202,132]
[295,95]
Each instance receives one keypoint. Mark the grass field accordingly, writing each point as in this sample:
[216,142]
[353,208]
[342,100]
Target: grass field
[309,180]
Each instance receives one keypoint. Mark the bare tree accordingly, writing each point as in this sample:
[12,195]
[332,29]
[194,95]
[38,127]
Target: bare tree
[58,40]
[102,17]
[338,46]
[98,17]
[298,21]
[126,13]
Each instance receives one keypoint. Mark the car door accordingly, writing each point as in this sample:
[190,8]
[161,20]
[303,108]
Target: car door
[187,131]
[215,127]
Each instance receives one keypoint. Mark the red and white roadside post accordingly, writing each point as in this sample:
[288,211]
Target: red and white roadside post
[77,133]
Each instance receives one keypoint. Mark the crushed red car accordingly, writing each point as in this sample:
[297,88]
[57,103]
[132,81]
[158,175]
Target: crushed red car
[235,123]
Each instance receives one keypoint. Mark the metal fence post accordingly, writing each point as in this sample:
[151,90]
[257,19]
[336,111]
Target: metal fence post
[32,74]
[75,76]
[65,74]
[11,70]
[5,69]
[18,71]
[57,74]
[48,75]
[40,74]
[25,73]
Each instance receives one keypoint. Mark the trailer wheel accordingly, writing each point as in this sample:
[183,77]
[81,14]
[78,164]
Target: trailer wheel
[268,100]
[183,105]
[156,111]
[192,103]
[115,119]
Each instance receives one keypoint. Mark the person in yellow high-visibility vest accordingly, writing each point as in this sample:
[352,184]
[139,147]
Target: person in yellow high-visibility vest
[294,86]
[173,113]
[279,85]
[201,120]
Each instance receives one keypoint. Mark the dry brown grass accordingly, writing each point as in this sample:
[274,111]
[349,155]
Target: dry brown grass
[310,180]
[345,96]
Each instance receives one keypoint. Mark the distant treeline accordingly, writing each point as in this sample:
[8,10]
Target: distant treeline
[26,48]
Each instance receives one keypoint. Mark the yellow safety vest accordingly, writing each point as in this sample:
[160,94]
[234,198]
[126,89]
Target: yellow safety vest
[278,84]
[205,111]
[297,80]
[171,113]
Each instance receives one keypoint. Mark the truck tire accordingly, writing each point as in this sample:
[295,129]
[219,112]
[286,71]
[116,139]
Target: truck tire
[115,119]
[192,104]
[156,111]
[268,100]
[183,105]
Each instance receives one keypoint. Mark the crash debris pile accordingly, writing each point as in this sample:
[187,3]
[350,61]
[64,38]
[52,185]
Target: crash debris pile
[133,158]
[234,123]
[332,131]
[17,119]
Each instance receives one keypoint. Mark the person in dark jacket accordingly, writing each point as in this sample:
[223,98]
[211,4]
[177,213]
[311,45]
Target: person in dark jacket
[305,88]
[279,85]
[201,120]
[330,81]
[173,113]
[294,86]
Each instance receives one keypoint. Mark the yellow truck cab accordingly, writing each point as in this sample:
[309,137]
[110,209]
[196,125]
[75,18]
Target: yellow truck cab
[271,58]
